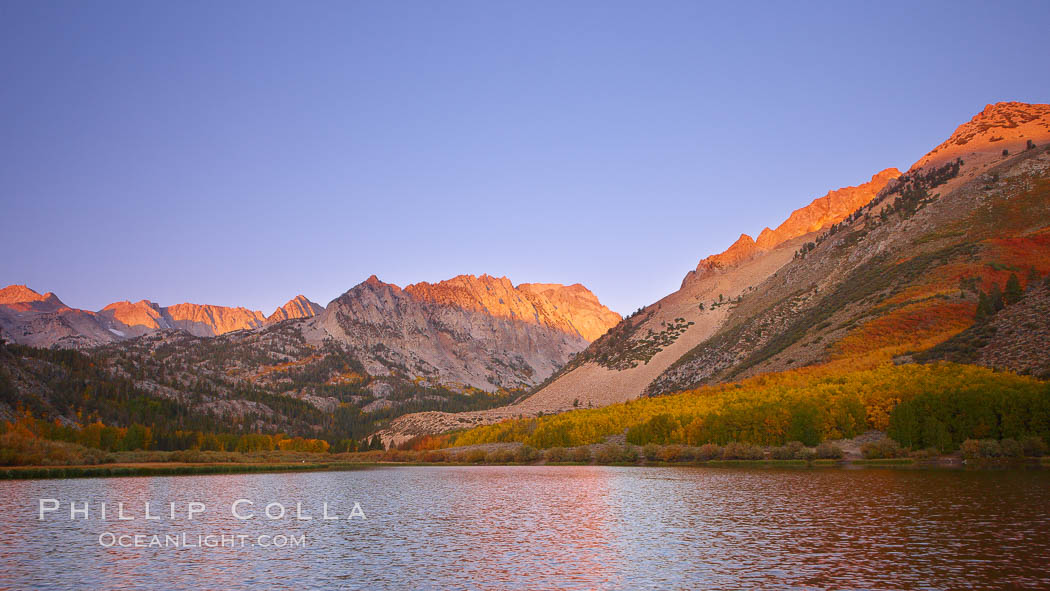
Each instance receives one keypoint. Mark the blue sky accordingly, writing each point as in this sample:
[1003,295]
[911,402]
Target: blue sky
[241,153]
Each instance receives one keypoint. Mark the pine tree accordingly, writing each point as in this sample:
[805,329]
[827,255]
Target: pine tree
[1013,293]
[996,297]
[984,306]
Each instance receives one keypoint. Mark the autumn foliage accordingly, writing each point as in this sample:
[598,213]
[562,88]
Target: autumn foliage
[803,405]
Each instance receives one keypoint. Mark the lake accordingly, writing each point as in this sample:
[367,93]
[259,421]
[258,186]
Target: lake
[536,527]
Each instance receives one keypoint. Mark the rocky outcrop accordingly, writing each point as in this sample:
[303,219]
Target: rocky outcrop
[743,249]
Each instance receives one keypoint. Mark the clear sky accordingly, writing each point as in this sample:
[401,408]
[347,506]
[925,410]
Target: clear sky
[241,153]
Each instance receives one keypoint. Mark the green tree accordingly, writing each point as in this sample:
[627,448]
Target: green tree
[1013,293]
[805,423]
[996,297]
[984,307]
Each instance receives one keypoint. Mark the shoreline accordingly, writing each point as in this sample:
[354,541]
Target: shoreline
[212,468]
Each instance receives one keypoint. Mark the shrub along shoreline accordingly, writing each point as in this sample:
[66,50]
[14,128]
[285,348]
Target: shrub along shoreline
[884,452]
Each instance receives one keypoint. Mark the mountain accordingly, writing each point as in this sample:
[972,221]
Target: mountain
[206,321]
[578,305]
[818,215]
[620,365]
[375,352]
[26,317]
[480,332]
[297,307]
[1008,126]
[43,320]
[946,262]
[864,276]
[22,298]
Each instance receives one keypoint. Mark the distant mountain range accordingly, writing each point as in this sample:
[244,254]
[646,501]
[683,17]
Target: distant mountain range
[30,318]
[377,347]
[27,317]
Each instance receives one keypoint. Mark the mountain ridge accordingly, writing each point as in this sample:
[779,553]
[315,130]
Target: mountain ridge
[478,331]
[25,316]
[820,213]
[743,312]
[466,291]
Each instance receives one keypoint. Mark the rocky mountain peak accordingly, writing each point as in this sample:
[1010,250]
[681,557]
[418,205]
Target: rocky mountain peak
[1001,126]
[298,307]
[588,316]
[13,294]
[21,297]
[143,313]
[480,331]
[209,320]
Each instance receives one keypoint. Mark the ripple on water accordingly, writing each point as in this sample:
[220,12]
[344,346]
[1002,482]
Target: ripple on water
[556,527]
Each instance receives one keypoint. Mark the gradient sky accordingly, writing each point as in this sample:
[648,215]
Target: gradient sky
[241,153]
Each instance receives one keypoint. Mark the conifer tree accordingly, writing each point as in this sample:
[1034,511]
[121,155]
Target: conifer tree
[984,307]
[996,297]
[1013,293]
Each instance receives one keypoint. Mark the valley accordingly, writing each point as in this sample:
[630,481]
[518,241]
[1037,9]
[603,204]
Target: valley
[860,289]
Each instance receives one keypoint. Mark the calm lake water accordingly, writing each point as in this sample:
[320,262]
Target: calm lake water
[545,528]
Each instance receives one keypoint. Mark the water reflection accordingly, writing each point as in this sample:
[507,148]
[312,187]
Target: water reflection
[551,527]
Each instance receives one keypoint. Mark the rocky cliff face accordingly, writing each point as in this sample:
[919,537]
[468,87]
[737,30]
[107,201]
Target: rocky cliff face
[135,319]
[480,332]
[205,321]
[578,306]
